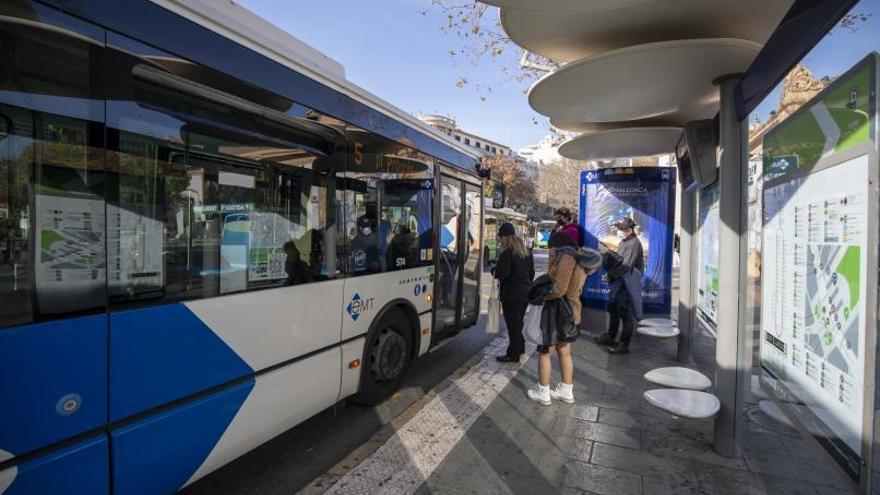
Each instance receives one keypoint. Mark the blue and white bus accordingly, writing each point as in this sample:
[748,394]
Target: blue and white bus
[207,235]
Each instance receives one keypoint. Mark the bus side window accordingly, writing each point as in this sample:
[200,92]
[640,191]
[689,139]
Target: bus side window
[52,257]
[407,213]
[388,207]
[213,194]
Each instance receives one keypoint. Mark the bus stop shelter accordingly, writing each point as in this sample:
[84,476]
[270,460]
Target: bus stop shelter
[633,74]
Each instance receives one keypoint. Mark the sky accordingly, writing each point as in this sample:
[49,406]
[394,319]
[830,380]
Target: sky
[838,50]
[396,50]
[393,50]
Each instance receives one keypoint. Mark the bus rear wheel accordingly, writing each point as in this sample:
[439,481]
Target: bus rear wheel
[387,355]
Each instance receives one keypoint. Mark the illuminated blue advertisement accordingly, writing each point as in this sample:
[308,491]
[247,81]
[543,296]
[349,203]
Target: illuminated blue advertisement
[647,195]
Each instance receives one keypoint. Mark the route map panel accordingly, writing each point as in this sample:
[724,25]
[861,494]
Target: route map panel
[814,280]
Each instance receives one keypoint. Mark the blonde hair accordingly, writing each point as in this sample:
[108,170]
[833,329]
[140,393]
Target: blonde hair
[514,243]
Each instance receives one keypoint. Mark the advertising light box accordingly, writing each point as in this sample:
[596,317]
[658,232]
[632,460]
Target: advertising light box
[647,195]
[819,243]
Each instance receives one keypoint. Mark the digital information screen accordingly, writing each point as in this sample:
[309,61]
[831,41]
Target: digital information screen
[815,279]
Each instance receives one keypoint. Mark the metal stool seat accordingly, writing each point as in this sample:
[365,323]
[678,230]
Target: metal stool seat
[678,377]
[658,322]
[691,404]
[659,332]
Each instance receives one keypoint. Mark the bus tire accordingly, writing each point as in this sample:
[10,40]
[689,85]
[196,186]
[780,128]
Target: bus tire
[387,356]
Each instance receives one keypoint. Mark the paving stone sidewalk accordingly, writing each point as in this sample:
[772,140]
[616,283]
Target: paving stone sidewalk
[611,441]
[482,435]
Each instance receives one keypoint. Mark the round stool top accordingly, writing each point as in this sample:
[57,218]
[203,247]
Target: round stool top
[678,377]
[657,322]
[660,332]
[685,403]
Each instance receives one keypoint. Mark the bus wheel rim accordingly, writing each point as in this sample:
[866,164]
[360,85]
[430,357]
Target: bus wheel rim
[389,355]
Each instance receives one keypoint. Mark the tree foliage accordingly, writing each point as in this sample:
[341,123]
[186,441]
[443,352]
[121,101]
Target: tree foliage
[558,182]
[518,187]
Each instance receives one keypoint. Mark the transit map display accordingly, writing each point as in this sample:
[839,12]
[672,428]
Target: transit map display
[815,282]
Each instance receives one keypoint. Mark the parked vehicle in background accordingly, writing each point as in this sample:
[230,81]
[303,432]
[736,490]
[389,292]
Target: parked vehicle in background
[542,235]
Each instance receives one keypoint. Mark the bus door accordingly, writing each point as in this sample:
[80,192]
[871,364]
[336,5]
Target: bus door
[458,263]
[472,248]
[447,288]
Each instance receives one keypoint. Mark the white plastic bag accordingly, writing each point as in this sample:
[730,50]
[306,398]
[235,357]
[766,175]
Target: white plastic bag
[532,332]
[493,322]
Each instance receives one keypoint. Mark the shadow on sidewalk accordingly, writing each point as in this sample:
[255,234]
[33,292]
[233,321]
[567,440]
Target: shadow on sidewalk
[613,442]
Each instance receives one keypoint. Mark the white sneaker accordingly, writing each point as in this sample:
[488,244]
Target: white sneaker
[563,392]
[541,394]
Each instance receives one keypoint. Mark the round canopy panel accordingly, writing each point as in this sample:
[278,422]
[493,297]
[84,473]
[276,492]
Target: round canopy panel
[618,143]
[589,127]
[567,30]
[563,5]
[644,81]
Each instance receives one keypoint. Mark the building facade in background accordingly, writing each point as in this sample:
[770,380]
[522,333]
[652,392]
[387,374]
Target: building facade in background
[447,126]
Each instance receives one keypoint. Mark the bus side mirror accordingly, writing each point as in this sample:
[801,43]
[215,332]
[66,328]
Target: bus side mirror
[498,196]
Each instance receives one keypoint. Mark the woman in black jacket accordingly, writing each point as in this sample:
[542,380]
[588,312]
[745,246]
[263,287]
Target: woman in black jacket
[515,271]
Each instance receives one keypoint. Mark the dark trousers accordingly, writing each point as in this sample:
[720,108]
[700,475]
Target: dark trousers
[514,314]
[621,311]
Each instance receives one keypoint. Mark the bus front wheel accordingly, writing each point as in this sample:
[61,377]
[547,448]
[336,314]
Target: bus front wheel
[387,355]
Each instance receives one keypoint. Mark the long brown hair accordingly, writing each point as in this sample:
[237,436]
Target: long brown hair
[514,243]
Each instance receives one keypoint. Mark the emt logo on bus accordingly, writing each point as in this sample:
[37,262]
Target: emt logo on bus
[358,306]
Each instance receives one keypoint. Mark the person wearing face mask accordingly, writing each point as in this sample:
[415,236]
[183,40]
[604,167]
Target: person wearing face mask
[365,251]
[624,266]
[561,314]
[566,224]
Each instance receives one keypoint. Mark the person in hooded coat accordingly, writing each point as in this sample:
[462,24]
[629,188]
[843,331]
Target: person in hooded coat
[561,315]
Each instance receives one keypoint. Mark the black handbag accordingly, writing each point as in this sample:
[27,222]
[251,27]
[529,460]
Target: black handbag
[541,286]
[557,322]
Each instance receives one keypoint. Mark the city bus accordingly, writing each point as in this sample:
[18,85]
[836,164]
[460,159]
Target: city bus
[542,233]
[207,235]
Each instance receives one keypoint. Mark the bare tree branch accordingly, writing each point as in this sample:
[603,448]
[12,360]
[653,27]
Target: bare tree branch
[484,39]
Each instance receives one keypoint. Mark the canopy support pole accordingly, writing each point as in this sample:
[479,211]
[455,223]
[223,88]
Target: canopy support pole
[730,371]
[686,274]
